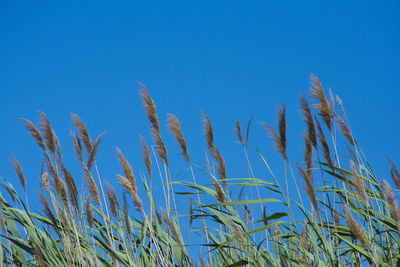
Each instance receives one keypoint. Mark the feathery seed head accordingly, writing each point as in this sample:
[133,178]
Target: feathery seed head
[176,131]
[209,132]
[34,132]
[83,132]
[146,156]
[323,107]
[18,169]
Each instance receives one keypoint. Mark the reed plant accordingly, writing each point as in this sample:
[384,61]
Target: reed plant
[350,217]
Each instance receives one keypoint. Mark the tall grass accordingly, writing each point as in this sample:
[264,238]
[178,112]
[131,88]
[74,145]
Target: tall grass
[351,217]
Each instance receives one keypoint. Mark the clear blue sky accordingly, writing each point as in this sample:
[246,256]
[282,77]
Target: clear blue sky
[232,59]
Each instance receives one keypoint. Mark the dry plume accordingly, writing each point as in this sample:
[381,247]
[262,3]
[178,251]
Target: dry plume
[48,133]
[325,147]
[160,146]
[209,132]
[150,108]
[248,131]
[77,147]
[72,189]
[47,209]
[220,196]
[239,132]
[172,229]
[126,217]
[89,212]
[309,188]
[176,131]
[83,132]
[45,181]
[395,174]
[112,198]
[357,231]
[18,169]
[93,189]
[345,130]
[359,184]
[34,132]
[393,204]
[323,107]
[146,156]
[129,175]
[221,166]
[306,111]
[93,151]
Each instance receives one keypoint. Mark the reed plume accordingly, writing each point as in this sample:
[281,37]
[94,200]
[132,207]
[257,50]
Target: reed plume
[61,190]
[239,132]
[83,132]
[345,130]
[93,151]
[39,255]
[303,237]
[279,140]
[352,155]
[126,217]
[132,191]
[160,146]
[246,215]
[395,174]
[130,182]
[303,244]
[336,218]
[359,184]
[191,212]
[236,231]
[221,166]
[47,209]
[50,137]
[357,231]
[209,132]
[150,108]
[76,141]
[45,182]
[393,204]
[248,131]
[308,156]
[173,230]
[18,169]
[112,198]
[339,100]
[308,117]
[47,131]
[34,132]
[10,193]
[72,189]
[89,212]
[309,187]
[264,214]
[93,189]
[146,156]
[64,221]
[323,107]
[176,131]
[219,196]
[325,147]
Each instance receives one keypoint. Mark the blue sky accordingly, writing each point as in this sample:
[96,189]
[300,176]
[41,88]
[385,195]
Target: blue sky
[231,59]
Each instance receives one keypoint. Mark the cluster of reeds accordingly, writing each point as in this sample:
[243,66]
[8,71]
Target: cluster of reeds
[350,218]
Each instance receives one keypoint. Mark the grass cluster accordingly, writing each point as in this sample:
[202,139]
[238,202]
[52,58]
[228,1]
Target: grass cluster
[349,217]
